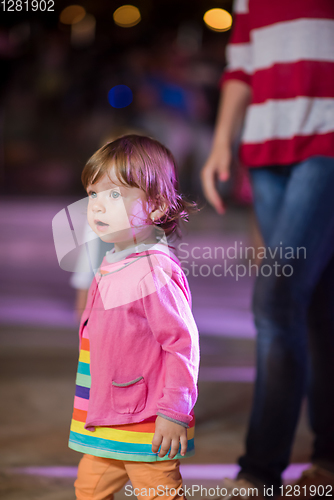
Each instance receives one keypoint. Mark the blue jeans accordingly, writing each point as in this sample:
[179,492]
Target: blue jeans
[294,317]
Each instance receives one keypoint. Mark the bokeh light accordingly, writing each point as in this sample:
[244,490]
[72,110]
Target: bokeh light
[83,32]
[127,16]
[218,19]
[120,96]
[72,14]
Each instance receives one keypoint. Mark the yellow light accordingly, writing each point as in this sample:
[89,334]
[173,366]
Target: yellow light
[127,16]
[72,14]
[218,19]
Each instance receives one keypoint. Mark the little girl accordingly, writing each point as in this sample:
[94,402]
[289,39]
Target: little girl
[136,382]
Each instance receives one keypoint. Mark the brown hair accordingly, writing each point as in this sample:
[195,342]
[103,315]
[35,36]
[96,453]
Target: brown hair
[144,163]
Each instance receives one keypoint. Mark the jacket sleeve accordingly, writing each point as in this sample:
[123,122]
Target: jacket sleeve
[239,48]
[166,302]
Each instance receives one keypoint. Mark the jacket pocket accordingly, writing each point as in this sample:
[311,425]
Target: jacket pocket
[129,397]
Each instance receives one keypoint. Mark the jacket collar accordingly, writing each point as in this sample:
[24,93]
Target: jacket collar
[161,245]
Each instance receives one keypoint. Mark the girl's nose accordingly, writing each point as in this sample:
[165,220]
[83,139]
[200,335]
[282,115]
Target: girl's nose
[98,206]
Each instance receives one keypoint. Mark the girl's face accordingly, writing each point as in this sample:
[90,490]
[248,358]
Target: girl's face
[118,214]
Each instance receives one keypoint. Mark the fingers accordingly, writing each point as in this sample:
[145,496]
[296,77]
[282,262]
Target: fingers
[210,191]
[156,442]
[224,175]
[224,164]
[184,444]
[174,448]
[166,442]
[167,438]
[169,444]
[173,445]
[217,166]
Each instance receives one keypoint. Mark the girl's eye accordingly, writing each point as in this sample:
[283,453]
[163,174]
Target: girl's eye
[92,194]
[115,194]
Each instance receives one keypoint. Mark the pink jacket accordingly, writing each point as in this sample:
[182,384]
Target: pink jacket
[144,350]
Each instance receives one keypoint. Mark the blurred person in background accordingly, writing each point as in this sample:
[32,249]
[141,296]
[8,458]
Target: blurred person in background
[173,107]
[279,85]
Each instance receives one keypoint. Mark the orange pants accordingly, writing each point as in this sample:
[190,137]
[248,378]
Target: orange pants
[99,478]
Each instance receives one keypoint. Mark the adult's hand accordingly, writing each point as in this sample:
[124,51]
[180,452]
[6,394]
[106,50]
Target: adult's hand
[217,168]
[235,97]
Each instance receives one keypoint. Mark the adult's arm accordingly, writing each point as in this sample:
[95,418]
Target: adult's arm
[235,97]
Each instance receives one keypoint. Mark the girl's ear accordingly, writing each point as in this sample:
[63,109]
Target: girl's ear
[159,210]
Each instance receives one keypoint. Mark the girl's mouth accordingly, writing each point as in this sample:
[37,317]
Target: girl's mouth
[101,225]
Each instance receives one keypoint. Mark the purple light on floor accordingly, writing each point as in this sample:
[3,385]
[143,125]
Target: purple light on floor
[222,323]
[227,374]
[36,312]
[294,471]
[65,471]
[215,472]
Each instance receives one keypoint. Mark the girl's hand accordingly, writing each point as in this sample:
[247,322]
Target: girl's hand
[169,435]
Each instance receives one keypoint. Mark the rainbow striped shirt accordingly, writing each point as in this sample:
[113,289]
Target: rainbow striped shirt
[122,442]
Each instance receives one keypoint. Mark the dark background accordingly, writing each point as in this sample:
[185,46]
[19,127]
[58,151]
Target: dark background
[54,96]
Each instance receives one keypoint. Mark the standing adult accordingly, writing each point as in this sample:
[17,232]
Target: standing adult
[279,85]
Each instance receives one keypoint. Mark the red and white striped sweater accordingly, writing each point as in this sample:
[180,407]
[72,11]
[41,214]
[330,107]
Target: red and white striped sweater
[285,51]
